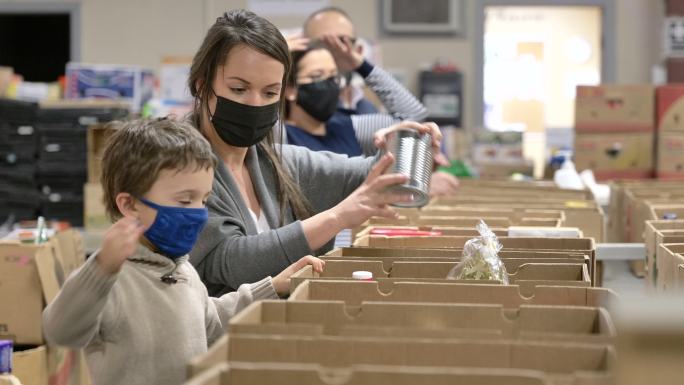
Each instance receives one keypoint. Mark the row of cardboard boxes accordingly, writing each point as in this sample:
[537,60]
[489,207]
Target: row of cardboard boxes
[411,324]
[630,131]
[30,277]
[633,204]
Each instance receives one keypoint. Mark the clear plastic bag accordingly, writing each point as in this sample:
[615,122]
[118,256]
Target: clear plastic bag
[480,259]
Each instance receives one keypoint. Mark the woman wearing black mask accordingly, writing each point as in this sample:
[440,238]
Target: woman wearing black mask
[270,204]
[312,117]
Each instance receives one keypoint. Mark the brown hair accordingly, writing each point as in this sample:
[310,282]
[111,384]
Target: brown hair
[139,150]
[234,28]
[297,57]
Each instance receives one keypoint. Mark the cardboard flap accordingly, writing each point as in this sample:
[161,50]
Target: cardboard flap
[48,268]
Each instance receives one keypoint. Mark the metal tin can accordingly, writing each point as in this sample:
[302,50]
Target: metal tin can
[412,157]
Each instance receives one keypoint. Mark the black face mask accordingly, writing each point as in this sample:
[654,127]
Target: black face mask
[319,99]
[242,125]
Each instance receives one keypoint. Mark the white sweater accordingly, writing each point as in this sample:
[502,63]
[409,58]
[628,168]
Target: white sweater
[136,329]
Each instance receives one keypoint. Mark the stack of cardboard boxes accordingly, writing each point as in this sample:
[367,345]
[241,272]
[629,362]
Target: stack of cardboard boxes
[615,131]
[30,277]
[411,325]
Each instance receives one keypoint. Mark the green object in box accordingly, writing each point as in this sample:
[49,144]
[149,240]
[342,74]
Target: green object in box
[457,168]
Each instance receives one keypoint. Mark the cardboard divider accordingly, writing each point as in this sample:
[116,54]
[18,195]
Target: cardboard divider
[421,320]
[238,373]
[355,292]
[512,263]
[445,230]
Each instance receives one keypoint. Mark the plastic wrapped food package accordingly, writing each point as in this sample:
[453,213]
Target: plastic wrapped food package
[480,259]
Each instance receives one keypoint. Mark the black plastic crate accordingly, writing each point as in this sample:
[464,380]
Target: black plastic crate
[81,116]
[17,111]
[18,174]
[63,206]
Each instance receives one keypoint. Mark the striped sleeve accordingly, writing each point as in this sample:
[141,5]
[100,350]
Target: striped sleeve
[398,101]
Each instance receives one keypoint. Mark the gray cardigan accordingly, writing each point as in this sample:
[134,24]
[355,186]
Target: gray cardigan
[230,252]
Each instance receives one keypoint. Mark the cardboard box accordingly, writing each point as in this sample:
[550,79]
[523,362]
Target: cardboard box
[670,155]
[97,137]
[130,84]
[28,282]
[614,108]
[238,373]
[611,156]
[95,215]
[510,296]
[657,232]
[559,360]
[443,230]
[30,366]
[670,108]
[30,277]
[505,170]
[668,259]
[424,320]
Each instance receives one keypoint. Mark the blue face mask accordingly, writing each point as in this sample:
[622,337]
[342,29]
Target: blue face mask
[175,229]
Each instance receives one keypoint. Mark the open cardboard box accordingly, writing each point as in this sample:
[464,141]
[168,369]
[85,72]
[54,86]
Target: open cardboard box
[30,366]
[581,245]
[30,277]
[240,373]
[668,260]
[560,362]
[657,232]
[356,292]
[424,320]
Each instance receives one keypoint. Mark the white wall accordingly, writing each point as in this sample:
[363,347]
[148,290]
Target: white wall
[143,31]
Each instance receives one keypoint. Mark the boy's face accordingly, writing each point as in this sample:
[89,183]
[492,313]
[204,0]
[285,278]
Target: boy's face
[188,188]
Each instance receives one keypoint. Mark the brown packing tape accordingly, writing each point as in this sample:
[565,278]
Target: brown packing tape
[354,292]
[239,373]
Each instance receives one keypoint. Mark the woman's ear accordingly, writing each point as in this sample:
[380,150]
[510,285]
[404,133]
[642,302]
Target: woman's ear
[127,205]
[291,94]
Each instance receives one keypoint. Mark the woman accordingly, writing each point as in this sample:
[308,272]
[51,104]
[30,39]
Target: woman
[270,204]
[312,117]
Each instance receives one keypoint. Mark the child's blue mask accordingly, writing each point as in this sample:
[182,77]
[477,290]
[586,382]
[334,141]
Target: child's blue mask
[175,229]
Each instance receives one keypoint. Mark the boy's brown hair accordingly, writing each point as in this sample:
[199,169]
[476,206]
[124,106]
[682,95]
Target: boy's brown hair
[139,150]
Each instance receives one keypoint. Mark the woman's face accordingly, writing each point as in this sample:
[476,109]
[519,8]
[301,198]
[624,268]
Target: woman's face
[248,77]
[315,66]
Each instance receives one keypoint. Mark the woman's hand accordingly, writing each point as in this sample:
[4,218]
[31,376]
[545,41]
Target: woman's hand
[297,42]
[372,198]
[346,56]
[380,139]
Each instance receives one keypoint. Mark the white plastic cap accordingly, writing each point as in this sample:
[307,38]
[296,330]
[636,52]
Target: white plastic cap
[362,275]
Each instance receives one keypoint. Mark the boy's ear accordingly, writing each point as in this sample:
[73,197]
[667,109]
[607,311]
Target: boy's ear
[127,205]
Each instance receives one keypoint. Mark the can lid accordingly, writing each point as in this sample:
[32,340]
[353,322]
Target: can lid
[362,275]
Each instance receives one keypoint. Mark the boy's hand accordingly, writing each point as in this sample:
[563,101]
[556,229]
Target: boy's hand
[120,242]
[281,282]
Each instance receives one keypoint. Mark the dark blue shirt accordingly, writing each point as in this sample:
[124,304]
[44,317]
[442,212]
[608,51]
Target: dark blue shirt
[339,137]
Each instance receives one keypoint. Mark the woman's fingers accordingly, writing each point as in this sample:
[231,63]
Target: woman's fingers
[380,168]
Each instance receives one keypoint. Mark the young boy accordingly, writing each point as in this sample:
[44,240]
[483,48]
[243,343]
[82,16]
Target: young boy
[137,306]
